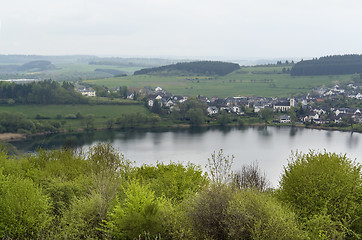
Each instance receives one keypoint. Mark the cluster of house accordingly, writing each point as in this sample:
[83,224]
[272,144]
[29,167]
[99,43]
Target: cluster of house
[351,91]
[87,92]
[164,99]
[235,105]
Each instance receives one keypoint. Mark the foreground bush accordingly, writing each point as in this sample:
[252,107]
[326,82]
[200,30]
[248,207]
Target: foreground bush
[24,210]
[325,190]
[255,215]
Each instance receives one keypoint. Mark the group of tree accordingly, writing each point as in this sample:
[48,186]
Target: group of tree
[41,92]
[199,67]
[192,111]
[19,123]
[329,65]
[65,194]
[122,92]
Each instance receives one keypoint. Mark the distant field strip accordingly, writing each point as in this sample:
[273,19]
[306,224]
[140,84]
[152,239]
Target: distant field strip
[248,81]
[51,111]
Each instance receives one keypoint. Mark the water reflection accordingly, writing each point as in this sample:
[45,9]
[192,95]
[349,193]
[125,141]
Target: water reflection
[293,131]
[352,140]
[271,146]
[263,131]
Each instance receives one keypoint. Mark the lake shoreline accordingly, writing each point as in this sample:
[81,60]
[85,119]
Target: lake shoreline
[15,137]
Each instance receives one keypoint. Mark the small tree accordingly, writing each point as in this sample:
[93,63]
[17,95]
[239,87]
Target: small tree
[196,116]
[250,177]
[266,114]
[219,167]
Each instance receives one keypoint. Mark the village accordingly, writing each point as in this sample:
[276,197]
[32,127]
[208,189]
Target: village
[310,108]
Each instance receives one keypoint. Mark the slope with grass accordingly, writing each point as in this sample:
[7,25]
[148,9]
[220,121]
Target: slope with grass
[268,81]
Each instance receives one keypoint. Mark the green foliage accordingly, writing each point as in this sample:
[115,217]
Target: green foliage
[266,114]
[108,169]
[224,118]
[137,213]
[173,181]
[63,194]
[42,92]
[206,212]
[156,107]
[327,183]
[8,148]
[219,167]
[196,116]
[24,210]
[83,220]
[62,174]
[15,122]
[255,215]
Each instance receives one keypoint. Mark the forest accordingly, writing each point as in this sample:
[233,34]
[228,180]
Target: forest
[41,92]
[328,65]
[194,68]
[69,194]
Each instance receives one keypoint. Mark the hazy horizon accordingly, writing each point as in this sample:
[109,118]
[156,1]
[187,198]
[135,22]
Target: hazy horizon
[211,29]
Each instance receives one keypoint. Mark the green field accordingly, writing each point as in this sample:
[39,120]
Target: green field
[101,113]
[268,81]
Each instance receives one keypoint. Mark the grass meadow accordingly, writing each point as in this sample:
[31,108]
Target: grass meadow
[268,81]
[101,113]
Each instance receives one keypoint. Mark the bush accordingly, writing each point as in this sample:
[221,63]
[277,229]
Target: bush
[328,184]
[206,212]
[136,214]
[255,215]
[23,209]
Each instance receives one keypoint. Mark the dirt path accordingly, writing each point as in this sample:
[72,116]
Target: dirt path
[9,137]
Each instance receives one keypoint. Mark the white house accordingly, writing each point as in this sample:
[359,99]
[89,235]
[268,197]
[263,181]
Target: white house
[158,89]
[87,92]
[212,110]
[284,119]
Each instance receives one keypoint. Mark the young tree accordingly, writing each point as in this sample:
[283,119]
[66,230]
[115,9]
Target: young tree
[219,167]
[251,177]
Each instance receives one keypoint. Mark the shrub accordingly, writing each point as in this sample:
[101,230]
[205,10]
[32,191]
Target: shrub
[255,215]
[23,208]
[324,183]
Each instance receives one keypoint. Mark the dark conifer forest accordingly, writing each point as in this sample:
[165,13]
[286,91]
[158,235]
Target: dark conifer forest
[199,67]
[329,65]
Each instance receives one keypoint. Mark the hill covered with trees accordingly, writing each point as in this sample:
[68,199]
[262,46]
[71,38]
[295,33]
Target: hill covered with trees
[199,67]
[329,65]
[41,92]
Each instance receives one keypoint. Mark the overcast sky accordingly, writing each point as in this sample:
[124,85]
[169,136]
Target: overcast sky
[230,29]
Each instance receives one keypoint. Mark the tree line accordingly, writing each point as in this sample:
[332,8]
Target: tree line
[66,194]
[41,92]
[328,65]
[199,67]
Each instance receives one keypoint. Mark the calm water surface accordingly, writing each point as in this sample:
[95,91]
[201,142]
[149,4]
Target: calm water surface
[270,146]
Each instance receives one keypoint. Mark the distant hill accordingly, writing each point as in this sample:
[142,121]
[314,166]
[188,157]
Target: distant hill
[39,65]
[199,67]
[329,65]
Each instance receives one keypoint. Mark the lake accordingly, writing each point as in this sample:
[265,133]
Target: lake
[269,146]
